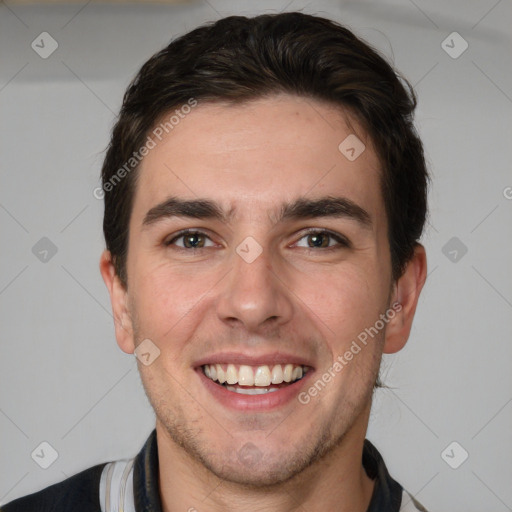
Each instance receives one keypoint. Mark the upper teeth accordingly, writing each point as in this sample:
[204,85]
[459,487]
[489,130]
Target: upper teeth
[245,375]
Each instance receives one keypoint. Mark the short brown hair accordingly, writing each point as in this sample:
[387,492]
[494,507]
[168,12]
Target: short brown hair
[237,59]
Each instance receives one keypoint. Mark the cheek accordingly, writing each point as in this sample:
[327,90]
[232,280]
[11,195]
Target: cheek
[342,302]
[168,302]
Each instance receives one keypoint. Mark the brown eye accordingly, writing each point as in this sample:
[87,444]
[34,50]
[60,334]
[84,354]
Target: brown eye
[322,240]
[193,240]
[190,240]
[318,240]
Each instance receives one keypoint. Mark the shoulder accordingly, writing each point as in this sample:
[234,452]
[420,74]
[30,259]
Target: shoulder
[79,493]
[409,503]
[388,494]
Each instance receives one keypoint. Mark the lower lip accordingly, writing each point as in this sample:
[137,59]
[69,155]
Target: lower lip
[265,402]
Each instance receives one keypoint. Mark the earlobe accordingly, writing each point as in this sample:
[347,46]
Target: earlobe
[406,293]
[119,300]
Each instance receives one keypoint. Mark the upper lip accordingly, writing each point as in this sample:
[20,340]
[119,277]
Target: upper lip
[253,360]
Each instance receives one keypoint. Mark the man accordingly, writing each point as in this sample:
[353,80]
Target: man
[265,191]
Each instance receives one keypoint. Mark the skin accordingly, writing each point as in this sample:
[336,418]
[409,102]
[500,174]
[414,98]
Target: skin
[311,302]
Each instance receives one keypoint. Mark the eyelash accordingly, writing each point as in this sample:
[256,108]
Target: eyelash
[341,240]
[183,233]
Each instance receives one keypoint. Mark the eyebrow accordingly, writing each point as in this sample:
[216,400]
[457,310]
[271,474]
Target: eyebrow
[193,208]
[325,207]
[301,208]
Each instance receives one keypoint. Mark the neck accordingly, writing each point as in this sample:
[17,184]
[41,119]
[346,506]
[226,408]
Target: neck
[336,482]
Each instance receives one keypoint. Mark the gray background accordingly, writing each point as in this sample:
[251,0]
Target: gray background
[64,380]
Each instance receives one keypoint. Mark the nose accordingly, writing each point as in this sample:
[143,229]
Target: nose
[254,296]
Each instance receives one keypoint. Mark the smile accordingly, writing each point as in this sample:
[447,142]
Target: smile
[254,380]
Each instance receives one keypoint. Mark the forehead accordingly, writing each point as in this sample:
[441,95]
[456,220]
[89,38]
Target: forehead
[251,157]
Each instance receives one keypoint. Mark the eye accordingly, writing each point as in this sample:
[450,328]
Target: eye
[190,240]
[318,239]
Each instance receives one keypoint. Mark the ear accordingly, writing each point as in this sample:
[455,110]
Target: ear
[119,300]
[405,294]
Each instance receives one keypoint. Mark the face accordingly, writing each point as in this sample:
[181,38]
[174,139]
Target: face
[258,254]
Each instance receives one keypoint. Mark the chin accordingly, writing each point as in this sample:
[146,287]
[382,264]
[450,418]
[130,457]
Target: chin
[257,474]
[258,466]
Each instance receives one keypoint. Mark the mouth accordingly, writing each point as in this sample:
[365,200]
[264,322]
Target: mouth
[254,380]
[254,384]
